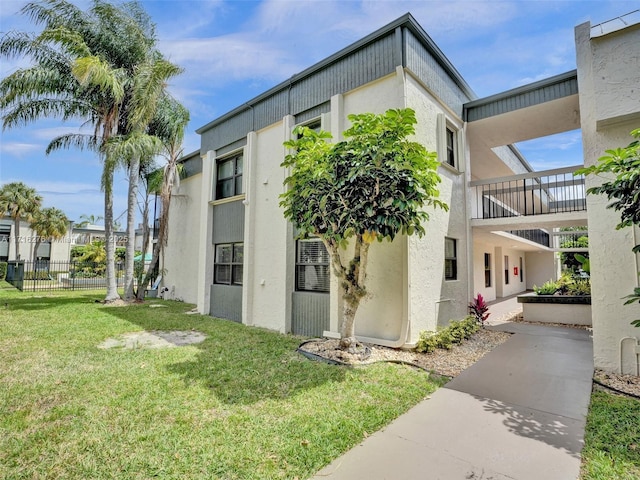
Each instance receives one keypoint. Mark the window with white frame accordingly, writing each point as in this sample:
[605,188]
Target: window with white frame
[229,177]
[228,264]
[450,259]
[312,266]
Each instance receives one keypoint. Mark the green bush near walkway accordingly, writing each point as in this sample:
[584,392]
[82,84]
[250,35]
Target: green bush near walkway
[241,405]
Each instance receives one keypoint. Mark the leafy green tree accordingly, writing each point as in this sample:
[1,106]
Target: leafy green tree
[50,223]
[621,167]
[100,66]
[374,185]
[21,203]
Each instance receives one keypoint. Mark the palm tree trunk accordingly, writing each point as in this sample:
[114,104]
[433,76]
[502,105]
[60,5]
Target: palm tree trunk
[112,287]
[134,178]
[161,241]
[16,234]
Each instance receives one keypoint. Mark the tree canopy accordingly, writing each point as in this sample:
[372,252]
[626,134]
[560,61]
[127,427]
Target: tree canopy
[100,66]
[374,185]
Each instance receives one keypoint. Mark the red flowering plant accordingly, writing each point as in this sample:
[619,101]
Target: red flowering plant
[479,309]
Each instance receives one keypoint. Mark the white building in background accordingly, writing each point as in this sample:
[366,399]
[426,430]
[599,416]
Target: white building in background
[232,253]
[49,250]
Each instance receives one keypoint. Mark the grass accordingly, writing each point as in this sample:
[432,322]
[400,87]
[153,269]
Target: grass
[241,405]
[612,438]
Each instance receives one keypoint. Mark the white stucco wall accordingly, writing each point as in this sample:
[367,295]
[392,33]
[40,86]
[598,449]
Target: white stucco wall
[382,314]
[515,285]
[59,251]
[433,301]
[181,253]
[540,268]
[479,249]
[267,273]
[607,74]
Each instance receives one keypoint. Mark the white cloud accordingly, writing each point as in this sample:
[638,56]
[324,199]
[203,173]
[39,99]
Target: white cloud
[19,149]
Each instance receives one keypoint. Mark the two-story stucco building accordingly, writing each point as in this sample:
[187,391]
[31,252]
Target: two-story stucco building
[232,253]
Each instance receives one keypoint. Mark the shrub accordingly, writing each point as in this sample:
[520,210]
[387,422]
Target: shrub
[3,270]
[548,288]
[445,338]
[580,287]
[479,309]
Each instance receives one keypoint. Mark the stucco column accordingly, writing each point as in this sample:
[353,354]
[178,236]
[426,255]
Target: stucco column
[248,273]
[205,248]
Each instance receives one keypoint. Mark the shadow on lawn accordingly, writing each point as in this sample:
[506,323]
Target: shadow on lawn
[239,364]
[45,300]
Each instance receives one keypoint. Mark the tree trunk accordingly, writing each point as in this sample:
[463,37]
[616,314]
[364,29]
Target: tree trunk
[351,281]
[16,234]
[145,242]
[134,178]
[112,287]
[161,241]
[348,326]
[35,250]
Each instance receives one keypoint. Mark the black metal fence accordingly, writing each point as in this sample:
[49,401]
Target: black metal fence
[53,275]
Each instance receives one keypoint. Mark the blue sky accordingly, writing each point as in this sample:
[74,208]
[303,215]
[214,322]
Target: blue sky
[233,50]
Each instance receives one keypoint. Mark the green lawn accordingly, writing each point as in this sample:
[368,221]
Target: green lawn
[612,438]
[241,405]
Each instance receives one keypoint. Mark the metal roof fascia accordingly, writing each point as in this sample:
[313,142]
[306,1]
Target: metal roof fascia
[406,20]
[520,90]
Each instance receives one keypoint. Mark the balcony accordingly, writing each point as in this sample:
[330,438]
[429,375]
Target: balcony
[536,193]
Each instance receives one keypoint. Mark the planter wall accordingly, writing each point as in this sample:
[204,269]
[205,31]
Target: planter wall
[568,310]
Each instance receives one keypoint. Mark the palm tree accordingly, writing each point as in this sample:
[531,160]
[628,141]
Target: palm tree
[169,124]
[100,66]
[20,202]
[88,220]
[49,223]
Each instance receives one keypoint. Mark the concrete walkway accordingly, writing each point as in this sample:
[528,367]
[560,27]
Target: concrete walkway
[517,414]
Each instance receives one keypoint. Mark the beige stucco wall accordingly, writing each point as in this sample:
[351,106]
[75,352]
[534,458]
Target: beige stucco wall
[609,110]
[267,236]
[540,267]
[432,301]
[382,314]
[479,249]
[557,313]
[181,253]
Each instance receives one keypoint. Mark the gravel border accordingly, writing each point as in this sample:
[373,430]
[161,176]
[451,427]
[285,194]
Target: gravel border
[448,363]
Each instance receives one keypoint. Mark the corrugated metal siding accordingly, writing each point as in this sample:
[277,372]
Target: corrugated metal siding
[226,302]
[228,222]
[192,166]
[369,63]
[231,147]
[361,67]
[227,132]
[313,113]
[522,98]
[310,313]
[425,66]
[270,110]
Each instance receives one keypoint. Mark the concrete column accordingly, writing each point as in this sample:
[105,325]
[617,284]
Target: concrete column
[248,272]
[205,248]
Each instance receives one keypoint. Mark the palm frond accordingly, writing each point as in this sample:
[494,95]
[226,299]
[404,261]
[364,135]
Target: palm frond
[77,140]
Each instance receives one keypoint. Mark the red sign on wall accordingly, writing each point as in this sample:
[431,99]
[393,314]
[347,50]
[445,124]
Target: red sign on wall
[515,271]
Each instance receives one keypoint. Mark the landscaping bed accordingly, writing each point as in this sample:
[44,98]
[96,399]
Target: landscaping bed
[443,362]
